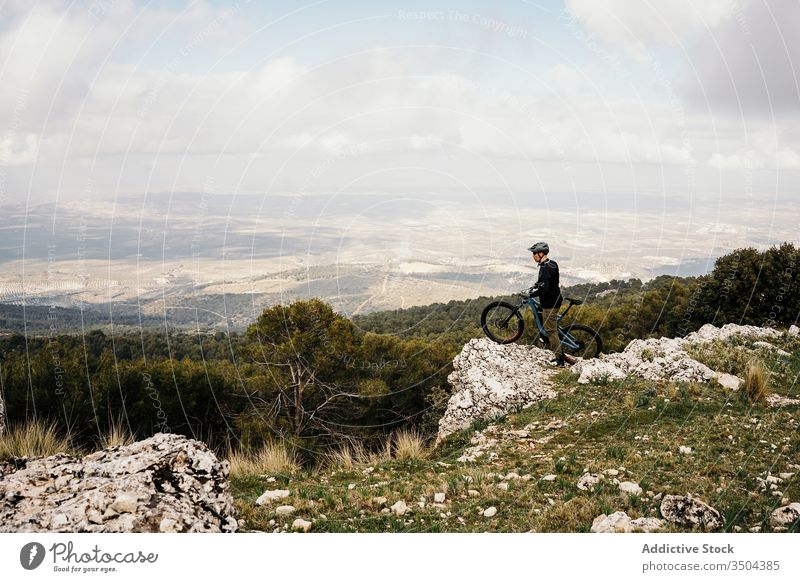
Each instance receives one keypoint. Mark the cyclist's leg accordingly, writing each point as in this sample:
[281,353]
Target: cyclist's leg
[550,323]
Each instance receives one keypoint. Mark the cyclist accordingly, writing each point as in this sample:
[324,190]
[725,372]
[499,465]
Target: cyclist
[549,293]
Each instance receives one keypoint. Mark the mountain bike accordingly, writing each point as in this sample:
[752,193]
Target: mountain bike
[504,324]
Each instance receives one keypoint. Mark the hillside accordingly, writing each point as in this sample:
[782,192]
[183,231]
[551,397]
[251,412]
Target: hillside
[563,460]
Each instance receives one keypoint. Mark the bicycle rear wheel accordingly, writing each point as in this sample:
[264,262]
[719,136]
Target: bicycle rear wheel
[502,322]
[587,340]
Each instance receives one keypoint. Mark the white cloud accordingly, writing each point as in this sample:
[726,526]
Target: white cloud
[636,23]
[123,122]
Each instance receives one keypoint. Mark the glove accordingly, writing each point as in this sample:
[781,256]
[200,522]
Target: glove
[532,290]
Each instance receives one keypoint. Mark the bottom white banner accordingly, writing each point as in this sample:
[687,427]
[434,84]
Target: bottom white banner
[355,557]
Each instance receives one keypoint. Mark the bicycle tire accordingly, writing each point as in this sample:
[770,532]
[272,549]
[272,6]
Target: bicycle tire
[595,338]
[513,312]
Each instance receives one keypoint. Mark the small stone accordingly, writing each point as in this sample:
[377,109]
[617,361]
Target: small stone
[490,512]
[379,501]
[125,502]
[269,496]
[550,477]
[284,510]
[400,508]
[438,497]
[685,450]
[351,486]
[587,481]
[168,525]
[503,486]
[611,472]
[473,493]
[630,488]
[300,524]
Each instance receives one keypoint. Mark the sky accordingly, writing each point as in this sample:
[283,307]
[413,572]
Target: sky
[694,99]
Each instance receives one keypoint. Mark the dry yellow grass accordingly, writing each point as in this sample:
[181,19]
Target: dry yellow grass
[353,454]
[409,445]
[116,434]
[755,383]
[272,458]
[32,439]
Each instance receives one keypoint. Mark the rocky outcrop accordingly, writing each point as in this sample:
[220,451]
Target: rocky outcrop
[490,380]
[689,511]
[166,483]
[667,358]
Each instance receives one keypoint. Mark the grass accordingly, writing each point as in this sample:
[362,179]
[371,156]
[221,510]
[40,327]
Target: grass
[755,386]
[634,427]
[116,435]
[409,445]
[32,439]
[271,458]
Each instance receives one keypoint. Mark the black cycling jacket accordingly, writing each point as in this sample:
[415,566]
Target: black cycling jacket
[547,286]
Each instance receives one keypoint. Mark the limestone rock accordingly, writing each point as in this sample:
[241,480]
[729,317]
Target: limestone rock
[667,358]
[785,516]
[284,510]
[793,330]
[587,481]
[728,381]
[400,508]
[630,488]
[711,332]
[438,497]
[300,524]
[490,380]
[688,511]
[490,512]
[620,522]
[269,496]
[164,483]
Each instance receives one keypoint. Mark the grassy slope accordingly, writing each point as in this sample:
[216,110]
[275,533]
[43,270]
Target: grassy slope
[633,426]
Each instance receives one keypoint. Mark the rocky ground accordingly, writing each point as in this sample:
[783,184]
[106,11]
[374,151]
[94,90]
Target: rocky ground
[665,447]
[166,483]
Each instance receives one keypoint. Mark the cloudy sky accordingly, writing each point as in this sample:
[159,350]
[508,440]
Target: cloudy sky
[688,98]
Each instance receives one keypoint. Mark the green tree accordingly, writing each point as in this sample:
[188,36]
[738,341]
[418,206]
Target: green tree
[306,351]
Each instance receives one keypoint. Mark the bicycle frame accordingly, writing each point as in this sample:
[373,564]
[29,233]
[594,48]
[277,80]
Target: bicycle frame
[536,308]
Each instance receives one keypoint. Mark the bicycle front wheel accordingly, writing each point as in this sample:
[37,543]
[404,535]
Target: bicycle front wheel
[586,342]
[502,322]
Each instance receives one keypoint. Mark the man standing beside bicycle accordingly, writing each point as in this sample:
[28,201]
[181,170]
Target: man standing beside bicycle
[549,292]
